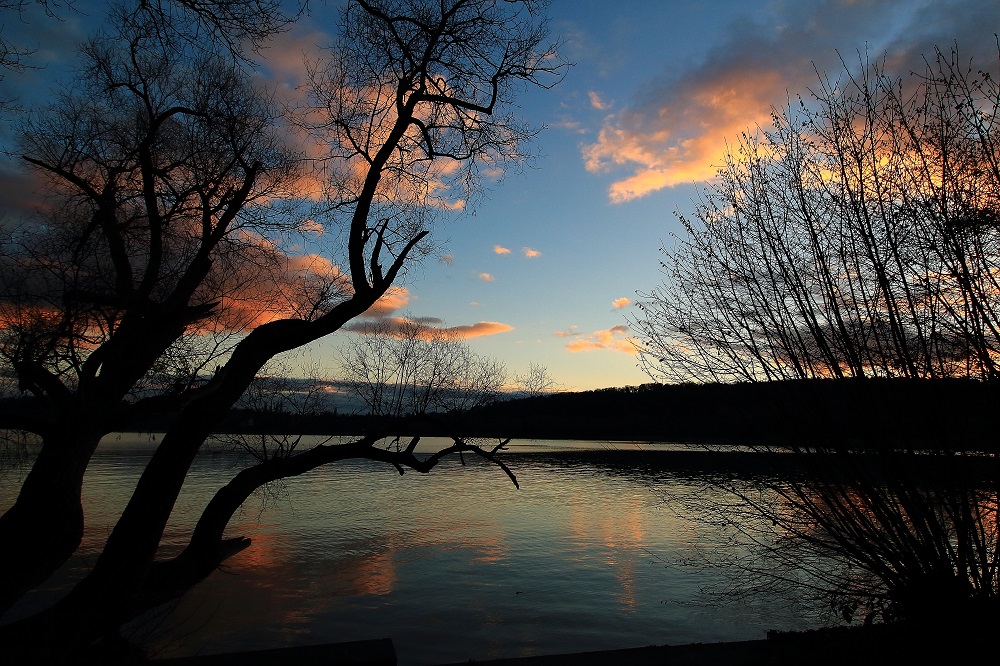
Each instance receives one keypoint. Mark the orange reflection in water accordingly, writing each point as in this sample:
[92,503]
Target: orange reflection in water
[264,549]
[373,574]
[489,547]
[617,539]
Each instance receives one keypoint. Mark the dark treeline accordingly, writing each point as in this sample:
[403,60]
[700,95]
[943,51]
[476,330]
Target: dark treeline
[939,413]
[949,413]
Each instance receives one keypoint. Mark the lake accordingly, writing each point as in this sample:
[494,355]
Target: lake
[591,553]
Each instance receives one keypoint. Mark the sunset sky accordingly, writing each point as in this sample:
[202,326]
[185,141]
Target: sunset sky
[547,268]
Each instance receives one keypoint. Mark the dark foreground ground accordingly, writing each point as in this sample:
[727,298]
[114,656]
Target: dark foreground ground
[880,645]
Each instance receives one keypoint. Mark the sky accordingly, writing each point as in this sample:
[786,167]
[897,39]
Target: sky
[549,266]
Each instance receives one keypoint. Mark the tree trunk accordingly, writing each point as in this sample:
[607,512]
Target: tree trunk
[44,527]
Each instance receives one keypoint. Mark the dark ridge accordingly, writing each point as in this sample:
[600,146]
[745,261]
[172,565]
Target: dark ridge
[956,414]
[952,413]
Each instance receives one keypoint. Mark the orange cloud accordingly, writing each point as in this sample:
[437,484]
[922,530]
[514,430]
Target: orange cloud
[271,285]
[500,249]
[676,128]
[529,253]
[317,133]
[486,277]
[614,338]
[622,302]
[394,299]
[262,284]
[286,54]
[479,329]
[683,138]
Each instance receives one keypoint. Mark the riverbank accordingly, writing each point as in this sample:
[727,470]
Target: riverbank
[949,640]
[880,644]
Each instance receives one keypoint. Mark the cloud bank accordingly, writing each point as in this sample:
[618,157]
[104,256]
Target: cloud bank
[675,131]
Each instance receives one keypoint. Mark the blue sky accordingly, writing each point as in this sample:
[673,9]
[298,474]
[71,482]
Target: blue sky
[634,130]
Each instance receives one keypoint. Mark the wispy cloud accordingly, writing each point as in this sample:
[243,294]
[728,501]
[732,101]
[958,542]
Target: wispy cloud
[500,249]
[486,277]
[620,303]
[426,327]
[676,130]
[447,259]
[530,253]
[571,332]
[597,102]
[614,338]
[311,226]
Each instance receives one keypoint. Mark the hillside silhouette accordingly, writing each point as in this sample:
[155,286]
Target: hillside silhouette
[908,413]
[953,413]
[948,413]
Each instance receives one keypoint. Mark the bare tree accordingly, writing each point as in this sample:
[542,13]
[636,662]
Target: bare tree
[536,381]
[235,25]
[878,536]
[12,56]
[276,393]
[405,368]
[165,233]
[856,238]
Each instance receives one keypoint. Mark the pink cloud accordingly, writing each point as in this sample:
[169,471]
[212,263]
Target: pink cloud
[486,277]
[500,249]
[622,302]
[597,102]
[530,253]
[614,338]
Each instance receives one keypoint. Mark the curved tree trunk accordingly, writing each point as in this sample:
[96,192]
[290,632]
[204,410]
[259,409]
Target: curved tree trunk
[111,593]
[44,527]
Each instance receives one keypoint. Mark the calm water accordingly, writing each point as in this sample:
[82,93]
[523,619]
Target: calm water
[589,554]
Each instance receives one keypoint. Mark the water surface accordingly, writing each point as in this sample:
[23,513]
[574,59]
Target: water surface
[588,554]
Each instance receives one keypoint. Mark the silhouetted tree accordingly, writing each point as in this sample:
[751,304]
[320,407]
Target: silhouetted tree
[234,24]
[857,237]
[156,279]
[401,367]
[535,381]
[878,535]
